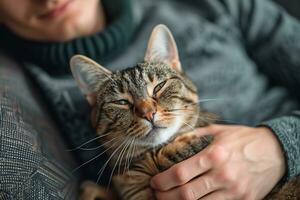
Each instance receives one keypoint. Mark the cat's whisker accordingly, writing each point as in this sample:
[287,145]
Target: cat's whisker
[123,152]
[130,155]
[87,142]
[184,106]
[223,120]
[89,149]
[180,114]
[126,156]
[119,158]
[200,101]
[100,172]
[98,147]
[205,100]
[218,120]
[192,128]
[187,124]
[205,117]
[97,156]
[179,109]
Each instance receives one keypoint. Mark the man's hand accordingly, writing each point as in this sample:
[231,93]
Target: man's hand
[240,163]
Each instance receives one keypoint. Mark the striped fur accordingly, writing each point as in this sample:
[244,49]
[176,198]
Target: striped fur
[155,149]
[145,116]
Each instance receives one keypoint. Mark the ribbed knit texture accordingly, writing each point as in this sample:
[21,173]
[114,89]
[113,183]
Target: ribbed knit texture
[287,129]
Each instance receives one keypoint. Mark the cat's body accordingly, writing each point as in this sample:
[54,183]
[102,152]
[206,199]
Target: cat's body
[134,184]
[145,117]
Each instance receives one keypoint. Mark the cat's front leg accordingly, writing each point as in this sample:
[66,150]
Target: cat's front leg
[92,191]
[133,186]
[135,183]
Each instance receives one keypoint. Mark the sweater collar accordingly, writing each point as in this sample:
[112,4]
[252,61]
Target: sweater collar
[102,46]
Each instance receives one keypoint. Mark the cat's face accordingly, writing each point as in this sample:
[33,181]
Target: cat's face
[147,104]
[150,102]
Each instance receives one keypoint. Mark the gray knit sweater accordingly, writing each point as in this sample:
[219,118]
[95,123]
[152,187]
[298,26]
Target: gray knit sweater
[243,53]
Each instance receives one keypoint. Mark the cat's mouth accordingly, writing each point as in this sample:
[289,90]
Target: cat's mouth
[151,136]
[157,135]
[155,129]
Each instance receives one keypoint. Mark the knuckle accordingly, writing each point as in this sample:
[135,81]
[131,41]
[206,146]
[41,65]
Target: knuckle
[180,175]
[226,175]
[203,163]
[207,184]
[187,194]
[217,154]
[238,189]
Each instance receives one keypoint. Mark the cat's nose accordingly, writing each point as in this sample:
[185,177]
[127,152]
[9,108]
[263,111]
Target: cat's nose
[146,109]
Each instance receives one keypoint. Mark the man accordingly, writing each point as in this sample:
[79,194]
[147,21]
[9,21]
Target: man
[244,53]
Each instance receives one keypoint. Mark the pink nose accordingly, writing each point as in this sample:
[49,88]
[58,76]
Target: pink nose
[146,109]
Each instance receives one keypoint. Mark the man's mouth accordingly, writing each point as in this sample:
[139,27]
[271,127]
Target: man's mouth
[57,11]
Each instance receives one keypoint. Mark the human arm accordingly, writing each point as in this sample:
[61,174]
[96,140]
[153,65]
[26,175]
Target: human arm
[272,40]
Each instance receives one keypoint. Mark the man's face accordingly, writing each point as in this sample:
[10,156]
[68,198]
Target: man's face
[51,20]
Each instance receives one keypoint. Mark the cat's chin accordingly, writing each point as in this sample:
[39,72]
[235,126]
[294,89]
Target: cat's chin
[158,136]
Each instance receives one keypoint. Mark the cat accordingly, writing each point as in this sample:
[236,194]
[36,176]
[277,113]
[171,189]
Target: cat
[145,116]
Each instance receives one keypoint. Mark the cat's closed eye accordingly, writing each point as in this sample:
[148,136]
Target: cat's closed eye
[122,102]
[159,87]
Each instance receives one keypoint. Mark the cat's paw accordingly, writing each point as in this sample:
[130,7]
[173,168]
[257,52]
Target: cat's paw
[91,191]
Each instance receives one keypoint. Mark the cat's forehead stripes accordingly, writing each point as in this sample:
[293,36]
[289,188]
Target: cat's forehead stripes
[140,80]
[120,87]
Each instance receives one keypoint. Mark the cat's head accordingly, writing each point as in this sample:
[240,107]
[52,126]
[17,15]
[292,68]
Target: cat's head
[147,104]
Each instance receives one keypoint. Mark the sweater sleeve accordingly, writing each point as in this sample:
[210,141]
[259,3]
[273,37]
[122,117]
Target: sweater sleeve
[287,130]
[272,40]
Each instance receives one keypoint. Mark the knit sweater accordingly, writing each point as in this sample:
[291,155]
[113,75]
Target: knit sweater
[243,53]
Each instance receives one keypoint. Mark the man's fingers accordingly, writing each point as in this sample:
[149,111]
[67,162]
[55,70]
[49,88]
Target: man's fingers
[183,172]
[213,129]
[195,189]
[217,195]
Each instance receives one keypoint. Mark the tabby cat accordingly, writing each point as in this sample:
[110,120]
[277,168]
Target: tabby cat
[145,116]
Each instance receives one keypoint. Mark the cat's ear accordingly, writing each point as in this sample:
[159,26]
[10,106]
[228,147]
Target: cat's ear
[89,76]
[162,48]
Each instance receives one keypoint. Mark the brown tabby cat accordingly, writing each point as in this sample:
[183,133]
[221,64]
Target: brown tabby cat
[144,117]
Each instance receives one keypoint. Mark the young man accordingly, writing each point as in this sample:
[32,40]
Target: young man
[243,52]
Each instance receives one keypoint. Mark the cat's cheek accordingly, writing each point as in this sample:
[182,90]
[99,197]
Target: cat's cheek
[166,103]
[110,113]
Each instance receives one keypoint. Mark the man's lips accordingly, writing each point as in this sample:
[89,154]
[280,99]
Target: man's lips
[57,11]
